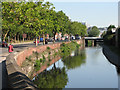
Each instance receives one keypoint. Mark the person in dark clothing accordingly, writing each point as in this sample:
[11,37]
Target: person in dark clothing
[46,41]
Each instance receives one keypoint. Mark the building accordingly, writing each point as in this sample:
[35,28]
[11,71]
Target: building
[113,30]
[86,24]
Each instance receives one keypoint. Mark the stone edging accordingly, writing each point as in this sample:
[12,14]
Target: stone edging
[16,77]
[111,56]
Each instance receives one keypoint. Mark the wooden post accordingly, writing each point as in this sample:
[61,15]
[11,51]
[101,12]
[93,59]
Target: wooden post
[36,41]
[86,43]
[92,43]
[83,42]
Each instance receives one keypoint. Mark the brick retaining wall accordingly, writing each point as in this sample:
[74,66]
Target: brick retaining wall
[27,52]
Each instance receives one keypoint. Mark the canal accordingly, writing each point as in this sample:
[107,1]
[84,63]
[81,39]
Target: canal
[84,68]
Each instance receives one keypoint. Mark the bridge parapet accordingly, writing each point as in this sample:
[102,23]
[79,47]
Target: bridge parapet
[93,38]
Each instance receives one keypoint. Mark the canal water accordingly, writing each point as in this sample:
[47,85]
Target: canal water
[86,68]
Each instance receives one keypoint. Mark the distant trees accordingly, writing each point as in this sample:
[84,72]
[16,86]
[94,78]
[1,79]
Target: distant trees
[109,37]
[77,28]
[94,32]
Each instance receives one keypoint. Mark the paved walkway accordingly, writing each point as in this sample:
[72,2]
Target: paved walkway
[17,47]
[3,56]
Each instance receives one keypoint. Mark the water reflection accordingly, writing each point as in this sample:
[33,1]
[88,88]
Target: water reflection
[118,71]
[71,73]
[76,59]
[54,78]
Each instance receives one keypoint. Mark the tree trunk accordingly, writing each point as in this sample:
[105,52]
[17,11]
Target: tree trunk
[5,35]
[23,39]
[54,38]
[36,42]
[43,39]
[28,37]
[68,37]
[15,38]
[18,38]
[39,37]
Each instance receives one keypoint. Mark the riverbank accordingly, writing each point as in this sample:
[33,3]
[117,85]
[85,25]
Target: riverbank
[111,56]
[86,68]
[15,60]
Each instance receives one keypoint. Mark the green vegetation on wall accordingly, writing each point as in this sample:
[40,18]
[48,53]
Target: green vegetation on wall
[66,49]
[39,62]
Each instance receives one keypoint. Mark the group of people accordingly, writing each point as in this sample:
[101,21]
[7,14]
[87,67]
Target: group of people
[10,48]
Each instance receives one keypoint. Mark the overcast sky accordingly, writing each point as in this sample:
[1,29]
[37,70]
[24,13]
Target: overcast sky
[100,13]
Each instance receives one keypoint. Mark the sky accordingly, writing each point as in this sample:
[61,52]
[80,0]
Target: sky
[94,12]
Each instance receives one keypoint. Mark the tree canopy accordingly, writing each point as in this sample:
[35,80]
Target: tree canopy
[77,28]
[36,19]
[94,32]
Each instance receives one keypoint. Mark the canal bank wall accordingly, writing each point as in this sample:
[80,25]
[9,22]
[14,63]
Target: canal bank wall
[111,56]
[17,78]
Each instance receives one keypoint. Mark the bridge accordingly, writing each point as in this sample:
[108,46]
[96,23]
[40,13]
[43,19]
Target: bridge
[94,40]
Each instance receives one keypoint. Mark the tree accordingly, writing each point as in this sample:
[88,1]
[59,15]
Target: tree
[109,29]
[7,19]
[36,18]
[94,32]
[58,22]
[109,37]
[77,28]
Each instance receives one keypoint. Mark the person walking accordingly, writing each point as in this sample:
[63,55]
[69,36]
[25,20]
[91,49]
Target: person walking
[46,41]
[10,48]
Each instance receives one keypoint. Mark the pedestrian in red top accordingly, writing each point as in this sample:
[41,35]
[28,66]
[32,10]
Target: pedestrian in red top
[10,48]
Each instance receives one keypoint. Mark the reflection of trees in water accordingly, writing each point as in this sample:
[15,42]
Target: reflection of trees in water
[76,60]
[54,78]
